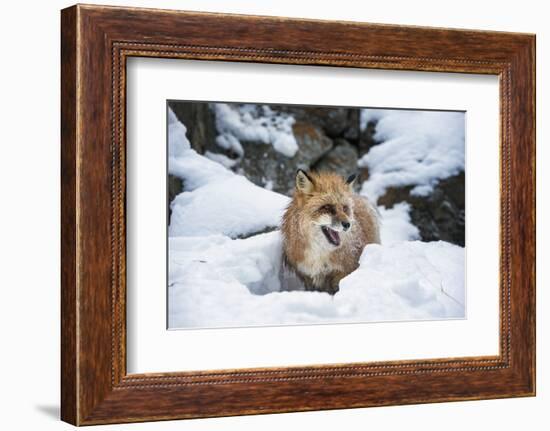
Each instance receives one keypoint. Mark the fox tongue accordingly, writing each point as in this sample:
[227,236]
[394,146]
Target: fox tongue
[335,236]
[332,236]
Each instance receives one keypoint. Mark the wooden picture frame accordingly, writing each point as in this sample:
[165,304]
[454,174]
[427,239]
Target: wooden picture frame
[95,43]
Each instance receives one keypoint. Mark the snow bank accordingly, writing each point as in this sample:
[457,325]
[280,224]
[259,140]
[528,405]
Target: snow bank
[232,207]
[255,123]
[417,148]
[408,280]
[219,282]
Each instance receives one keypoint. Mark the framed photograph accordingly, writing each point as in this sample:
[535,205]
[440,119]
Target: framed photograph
[263,214]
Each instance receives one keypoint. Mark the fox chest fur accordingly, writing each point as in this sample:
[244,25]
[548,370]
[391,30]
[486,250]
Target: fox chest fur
[325,228]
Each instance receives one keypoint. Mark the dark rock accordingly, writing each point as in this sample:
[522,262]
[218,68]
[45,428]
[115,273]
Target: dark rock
[366,138]
[333,121]
[438,216]
[268,168]
[352,133]
[264,166]
[175,187]
[342,159]
[312,143]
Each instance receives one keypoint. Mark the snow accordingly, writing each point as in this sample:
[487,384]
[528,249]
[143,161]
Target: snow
[418,148]
[220,276]
[230,142]
[395,224]
[408,280]
[219,282]
[177,139]
[232,207]
[222,159]
[369,115]
[184,162]
[254,123]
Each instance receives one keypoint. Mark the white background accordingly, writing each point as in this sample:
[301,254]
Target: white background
[152,349]
[29,227]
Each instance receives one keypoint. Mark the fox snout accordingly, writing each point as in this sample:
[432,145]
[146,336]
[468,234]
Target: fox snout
[340,218]
[341,224]
[343,216]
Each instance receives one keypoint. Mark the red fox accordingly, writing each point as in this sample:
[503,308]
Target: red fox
[325,228]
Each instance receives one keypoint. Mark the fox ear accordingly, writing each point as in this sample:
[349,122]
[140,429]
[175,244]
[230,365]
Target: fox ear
[351,180]
[304,183]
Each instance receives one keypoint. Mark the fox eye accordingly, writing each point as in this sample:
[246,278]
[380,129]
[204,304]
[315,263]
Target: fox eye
[328,208]
[345,208]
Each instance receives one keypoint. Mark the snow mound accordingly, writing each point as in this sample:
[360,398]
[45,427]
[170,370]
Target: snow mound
[255,123]
[219,282]
[408,280]
[232,207]
[418,148]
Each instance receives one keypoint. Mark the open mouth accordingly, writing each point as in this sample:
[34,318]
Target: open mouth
[332,236]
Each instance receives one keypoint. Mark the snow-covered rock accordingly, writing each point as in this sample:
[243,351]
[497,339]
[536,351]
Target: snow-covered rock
[264,165]
[254,123]
[418,148]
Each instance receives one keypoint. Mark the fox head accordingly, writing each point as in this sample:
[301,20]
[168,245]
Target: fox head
[326,206]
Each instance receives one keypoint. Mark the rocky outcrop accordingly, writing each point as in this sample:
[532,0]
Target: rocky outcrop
[342,159]
[268,168]
[352,132]
[312,143]
[333,121]
[439,215]
[327,139]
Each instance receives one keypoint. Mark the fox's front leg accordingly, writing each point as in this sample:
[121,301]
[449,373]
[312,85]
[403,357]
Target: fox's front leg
[308,282]
[333,282]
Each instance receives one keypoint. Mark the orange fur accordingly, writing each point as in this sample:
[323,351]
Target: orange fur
[318,245]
